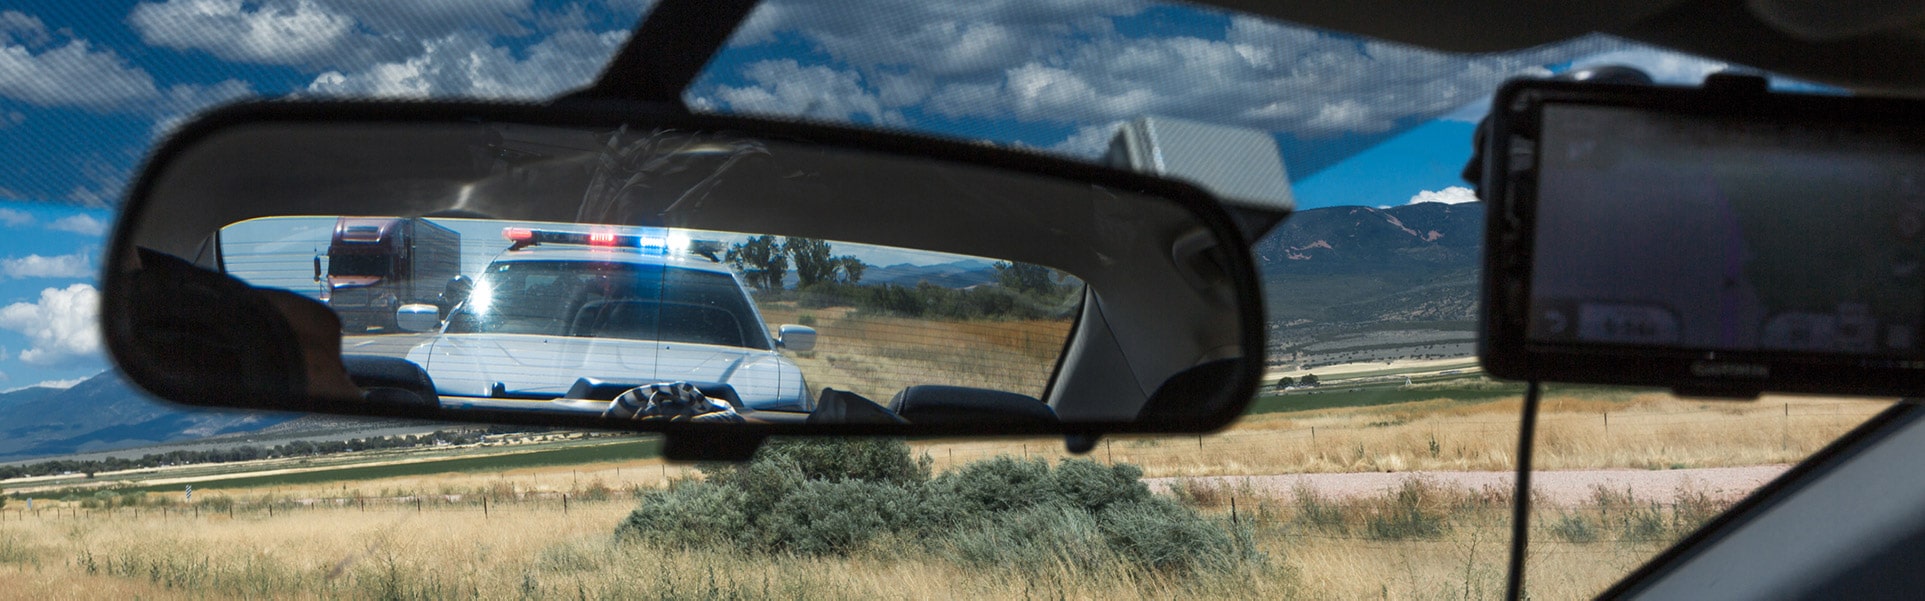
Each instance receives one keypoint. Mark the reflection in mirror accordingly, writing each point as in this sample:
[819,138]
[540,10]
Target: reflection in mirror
[500,313]
[482,267]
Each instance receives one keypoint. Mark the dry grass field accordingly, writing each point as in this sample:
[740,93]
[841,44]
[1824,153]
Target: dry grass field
[1644,431]
[1421,542]
[878,355]
[506,534]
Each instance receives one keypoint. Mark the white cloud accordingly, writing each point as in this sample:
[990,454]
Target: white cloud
[15,217]
[77,265]
[467,64]
[35,71]
[20,28]
[1088,142]
[104,181]
[1663,67]
[62,384]
[944,39]
[60,328]
[280,32]
[782,87]
[1450,196]
[420,20]
[186,99]
[79,224]
[1061,62]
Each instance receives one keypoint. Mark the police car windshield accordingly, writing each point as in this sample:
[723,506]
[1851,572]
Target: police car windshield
[611,300]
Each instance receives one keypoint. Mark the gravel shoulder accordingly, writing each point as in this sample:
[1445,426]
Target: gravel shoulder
[1562,487]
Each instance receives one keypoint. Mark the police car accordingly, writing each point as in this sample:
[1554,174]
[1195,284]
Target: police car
[570,316]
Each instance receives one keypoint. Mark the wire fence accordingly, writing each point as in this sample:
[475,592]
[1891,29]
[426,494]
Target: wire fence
[1780,432]
[269,505]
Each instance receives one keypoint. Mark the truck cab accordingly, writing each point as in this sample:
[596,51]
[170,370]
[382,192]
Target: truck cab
[377,264]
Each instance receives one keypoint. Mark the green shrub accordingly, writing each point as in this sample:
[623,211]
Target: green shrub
[999,485]
[1092,486]
[689,516]
[836,517]
[866,459]
[1038,539]
[761,483]
[836,497]
[1161,535]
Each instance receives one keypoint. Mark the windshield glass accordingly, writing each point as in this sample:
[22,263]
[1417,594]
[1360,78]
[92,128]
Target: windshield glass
[610,300]
[1372,465]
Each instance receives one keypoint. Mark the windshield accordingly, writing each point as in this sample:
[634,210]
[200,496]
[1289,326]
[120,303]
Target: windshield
[361,265]
[1372,465]
[610,300]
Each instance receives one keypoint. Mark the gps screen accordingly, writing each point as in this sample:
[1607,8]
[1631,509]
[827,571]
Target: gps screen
[1725,234]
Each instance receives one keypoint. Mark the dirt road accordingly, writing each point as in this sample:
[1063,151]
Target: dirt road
[1560,487]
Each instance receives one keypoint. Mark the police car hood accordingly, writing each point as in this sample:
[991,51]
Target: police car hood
[538,366]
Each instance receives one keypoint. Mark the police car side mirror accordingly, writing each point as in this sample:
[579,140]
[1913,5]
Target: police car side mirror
[653,252]
[800,339]
[417,317]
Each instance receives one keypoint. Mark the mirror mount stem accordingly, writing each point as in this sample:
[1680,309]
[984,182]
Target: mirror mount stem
[1254,222]
[1081,442]
[729,447]
[669,48]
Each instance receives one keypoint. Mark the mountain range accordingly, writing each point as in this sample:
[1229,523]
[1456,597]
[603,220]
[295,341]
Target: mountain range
[1360,265]
[107,412]
[954,274]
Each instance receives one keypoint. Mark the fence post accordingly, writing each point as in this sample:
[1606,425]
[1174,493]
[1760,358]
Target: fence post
[484,507]
[1607,422]
[1233,510]
[564,503]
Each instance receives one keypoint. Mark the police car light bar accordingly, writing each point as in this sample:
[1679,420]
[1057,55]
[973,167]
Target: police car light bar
[652,241]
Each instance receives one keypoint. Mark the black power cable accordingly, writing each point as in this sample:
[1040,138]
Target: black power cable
[1521,499]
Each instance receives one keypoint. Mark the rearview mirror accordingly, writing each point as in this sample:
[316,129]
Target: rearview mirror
[1719,241]
[628,266]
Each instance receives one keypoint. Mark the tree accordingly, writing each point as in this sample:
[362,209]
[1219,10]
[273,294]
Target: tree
[1025,277]
[1310,379]
[761,260]
[1286,382]
[850,268]
[812,260]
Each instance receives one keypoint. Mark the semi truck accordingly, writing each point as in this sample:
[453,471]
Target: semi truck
[377,264]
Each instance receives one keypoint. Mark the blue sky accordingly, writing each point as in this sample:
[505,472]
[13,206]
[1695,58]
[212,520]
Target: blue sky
[87,87]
